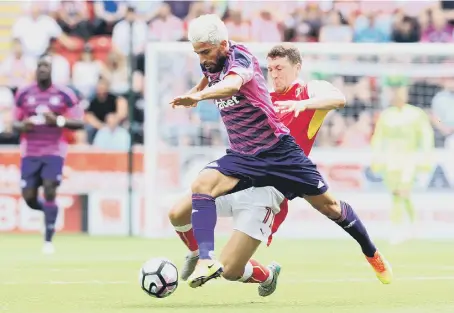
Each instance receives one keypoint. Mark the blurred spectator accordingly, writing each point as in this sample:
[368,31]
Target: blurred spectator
[102,104]
[73,18]
[86,73]
[48,7]
[207,115]
[303,33]
[17,70]
[61,69]
[35,31]
[166,26]
[448,8]
[308,22]
[335,30]
[182,9]
[115,71]
[239,29]
[112,136]
[195,10]
[145,10]
[443,111]
[370,33]
[264,28]
[439,30]
[406,30]
[358,135]
[7,136]
[121,35]
[107,14]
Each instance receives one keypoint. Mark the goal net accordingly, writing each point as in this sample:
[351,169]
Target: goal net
[180,142]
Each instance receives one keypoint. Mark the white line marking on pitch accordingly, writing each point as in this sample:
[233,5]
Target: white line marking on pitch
[308,281]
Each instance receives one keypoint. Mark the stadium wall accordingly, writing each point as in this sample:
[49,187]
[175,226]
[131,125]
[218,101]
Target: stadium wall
[94,194]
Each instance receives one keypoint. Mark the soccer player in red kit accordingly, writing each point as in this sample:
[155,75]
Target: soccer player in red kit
[302,107]
[44,112]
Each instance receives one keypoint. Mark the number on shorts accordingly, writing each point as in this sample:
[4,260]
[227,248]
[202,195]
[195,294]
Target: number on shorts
[269,217]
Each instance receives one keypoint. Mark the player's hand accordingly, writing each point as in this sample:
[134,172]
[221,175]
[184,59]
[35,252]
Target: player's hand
[50,118]
[188,101]
[27,125]
[289,106]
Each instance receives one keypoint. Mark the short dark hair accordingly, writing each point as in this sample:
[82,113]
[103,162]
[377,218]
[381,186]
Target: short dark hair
[286,50]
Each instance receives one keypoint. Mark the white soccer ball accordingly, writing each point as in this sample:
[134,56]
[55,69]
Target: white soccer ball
[158,277]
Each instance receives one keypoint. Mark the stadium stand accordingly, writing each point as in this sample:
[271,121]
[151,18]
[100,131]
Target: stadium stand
[86,29]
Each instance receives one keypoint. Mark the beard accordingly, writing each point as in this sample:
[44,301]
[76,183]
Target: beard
[218,66]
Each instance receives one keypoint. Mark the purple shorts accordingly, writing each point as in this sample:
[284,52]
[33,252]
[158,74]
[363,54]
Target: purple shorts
[35,169]
[284,166]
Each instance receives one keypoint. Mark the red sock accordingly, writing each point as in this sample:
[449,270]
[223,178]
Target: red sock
[255,273]
[186,234]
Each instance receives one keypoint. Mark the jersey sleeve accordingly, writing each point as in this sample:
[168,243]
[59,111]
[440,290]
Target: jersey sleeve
[321,88]
[74,109]
[242,65]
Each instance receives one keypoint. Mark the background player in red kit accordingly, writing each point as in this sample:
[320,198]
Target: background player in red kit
[284,65]
[43,113]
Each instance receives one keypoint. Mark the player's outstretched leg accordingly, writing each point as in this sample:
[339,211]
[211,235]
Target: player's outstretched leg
[265,276]
[237,262]
[50,214]
[209,184]
[343,214]
[180,217]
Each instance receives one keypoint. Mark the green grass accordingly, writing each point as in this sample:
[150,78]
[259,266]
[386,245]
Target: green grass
[91,275]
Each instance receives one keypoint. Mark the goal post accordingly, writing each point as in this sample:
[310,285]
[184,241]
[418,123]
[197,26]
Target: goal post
[178,143]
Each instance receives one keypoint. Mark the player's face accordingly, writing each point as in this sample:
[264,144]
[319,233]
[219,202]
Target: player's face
[212,57]
[43,71]
[282,72]
[399,96]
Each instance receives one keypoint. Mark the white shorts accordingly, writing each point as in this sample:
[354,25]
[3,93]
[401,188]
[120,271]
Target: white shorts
[253,210]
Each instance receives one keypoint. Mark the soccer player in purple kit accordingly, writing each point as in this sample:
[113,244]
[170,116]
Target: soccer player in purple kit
[43,112]
[262,152]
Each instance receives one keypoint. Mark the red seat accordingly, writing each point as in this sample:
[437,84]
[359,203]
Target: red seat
[101,46]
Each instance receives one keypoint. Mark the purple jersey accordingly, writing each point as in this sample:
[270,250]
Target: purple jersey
[31,102]
[249,117]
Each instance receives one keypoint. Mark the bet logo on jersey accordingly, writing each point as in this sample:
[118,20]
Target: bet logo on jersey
[222,104]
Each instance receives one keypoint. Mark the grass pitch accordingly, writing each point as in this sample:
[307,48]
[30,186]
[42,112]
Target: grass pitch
[92,275]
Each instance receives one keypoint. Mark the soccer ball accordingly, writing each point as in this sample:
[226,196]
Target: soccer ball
[158,277]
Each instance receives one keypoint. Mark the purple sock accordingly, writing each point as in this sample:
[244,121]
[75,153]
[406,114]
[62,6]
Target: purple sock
[203,222]
[351,223]
[50,216]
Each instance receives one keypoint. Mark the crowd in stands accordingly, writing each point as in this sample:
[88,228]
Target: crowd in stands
[90,42]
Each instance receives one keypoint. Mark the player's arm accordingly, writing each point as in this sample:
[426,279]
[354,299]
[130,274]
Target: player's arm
[240,73]
[73,117]
[322,96]
[227,87]
[20,123]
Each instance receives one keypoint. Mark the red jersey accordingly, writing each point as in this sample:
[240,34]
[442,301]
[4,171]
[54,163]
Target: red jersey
[303,128]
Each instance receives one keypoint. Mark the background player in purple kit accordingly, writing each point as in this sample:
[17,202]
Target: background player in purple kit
[43,113]
[262,152]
